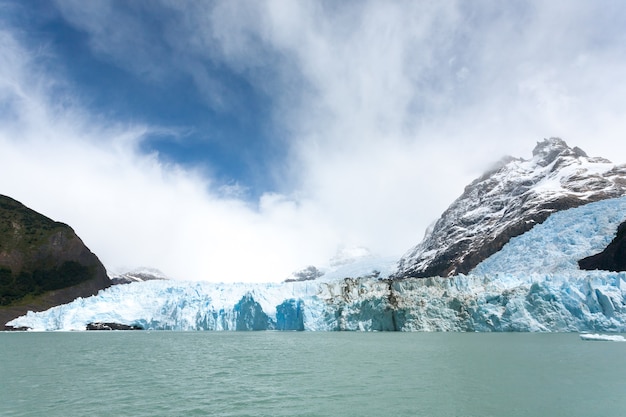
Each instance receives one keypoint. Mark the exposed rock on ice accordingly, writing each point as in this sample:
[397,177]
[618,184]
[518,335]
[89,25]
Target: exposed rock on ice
[613,258]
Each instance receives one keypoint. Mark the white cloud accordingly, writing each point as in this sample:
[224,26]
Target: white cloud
[130,208]
[389,109]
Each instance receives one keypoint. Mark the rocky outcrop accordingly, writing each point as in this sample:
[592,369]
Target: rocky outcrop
[111,326]
[43,263]
[507,202]
[613,258]
[309,273]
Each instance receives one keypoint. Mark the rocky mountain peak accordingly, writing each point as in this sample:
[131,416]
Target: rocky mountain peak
[548,150]
[508,201]
[556,149]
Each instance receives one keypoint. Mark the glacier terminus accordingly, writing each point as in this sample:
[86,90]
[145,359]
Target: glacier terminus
[532,284]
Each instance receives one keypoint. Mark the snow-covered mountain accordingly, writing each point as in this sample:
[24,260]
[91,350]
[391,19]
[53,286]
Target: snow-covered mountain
[508,201]
[532,284]
[137,275]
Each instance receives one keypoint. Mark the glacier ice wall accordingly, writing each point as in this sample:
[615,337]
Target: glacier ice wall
[532,284]
[594,301]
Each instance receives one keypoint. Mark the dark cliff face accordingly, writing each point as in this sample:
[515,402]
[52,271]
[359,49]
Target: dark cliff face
[613,258]
[507,202]
[42,263]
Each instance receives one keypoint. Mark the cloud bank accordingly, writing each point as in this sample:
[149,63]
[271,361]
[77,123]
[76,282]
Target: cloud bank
[385,110]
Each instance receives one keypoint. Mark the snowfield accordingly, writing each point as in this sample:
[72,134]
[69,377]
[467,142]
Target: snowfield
[532,284]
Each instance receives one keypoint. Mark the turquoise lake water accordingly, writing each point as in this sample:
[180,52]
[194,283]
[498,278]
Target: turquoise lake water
[309,374]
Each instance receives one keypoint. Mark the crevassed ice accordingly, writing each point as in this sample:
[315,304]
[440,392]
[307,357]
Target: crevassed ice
[558,243]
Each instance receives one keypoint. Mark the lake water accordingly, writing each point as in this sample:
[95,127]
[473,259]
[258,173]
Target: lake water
[309,374]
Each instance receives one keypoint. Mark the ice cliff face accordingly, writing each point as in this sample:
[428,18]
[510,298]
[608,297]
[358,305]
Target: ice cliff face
[532,284]
[507,202]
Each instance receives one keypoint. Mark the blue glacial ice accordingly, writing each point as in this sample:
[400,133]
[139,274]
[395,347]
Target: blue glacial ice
[557,244]
[532,284]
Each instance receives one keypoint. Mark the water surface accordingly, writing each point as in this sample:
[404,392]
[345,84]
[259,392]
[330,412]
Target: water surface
[309,374]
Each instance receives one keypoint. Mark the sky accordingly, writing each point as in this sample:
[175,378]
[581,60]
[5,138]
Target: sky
[243,140]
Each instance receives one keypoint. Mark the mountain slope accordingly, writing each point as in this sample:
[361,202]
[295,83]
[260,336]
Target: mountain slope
[508,201]
[42,262]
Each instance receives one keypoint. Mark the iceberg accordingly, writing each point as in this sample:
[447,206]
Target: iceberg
[532,284]
[603,337]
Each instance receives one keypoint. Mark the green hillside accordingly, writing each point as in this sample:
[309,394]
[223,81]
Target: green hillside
[42,262]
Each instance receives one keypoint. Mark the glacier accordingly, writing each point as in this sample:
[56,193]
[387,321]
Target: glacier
[532,284]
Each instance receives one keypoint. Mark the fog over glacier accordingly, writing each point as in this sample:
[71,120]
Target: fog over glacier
[532,284]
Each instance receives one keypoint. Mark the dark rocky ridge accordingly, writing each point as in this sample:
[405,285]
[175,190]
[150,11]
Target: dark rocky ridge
[507,202]
[43,263]
[613,258]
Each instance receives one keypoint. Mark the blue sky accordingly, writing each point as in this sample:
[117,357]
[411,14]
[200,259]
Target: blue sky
[233,140]
[228,134]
